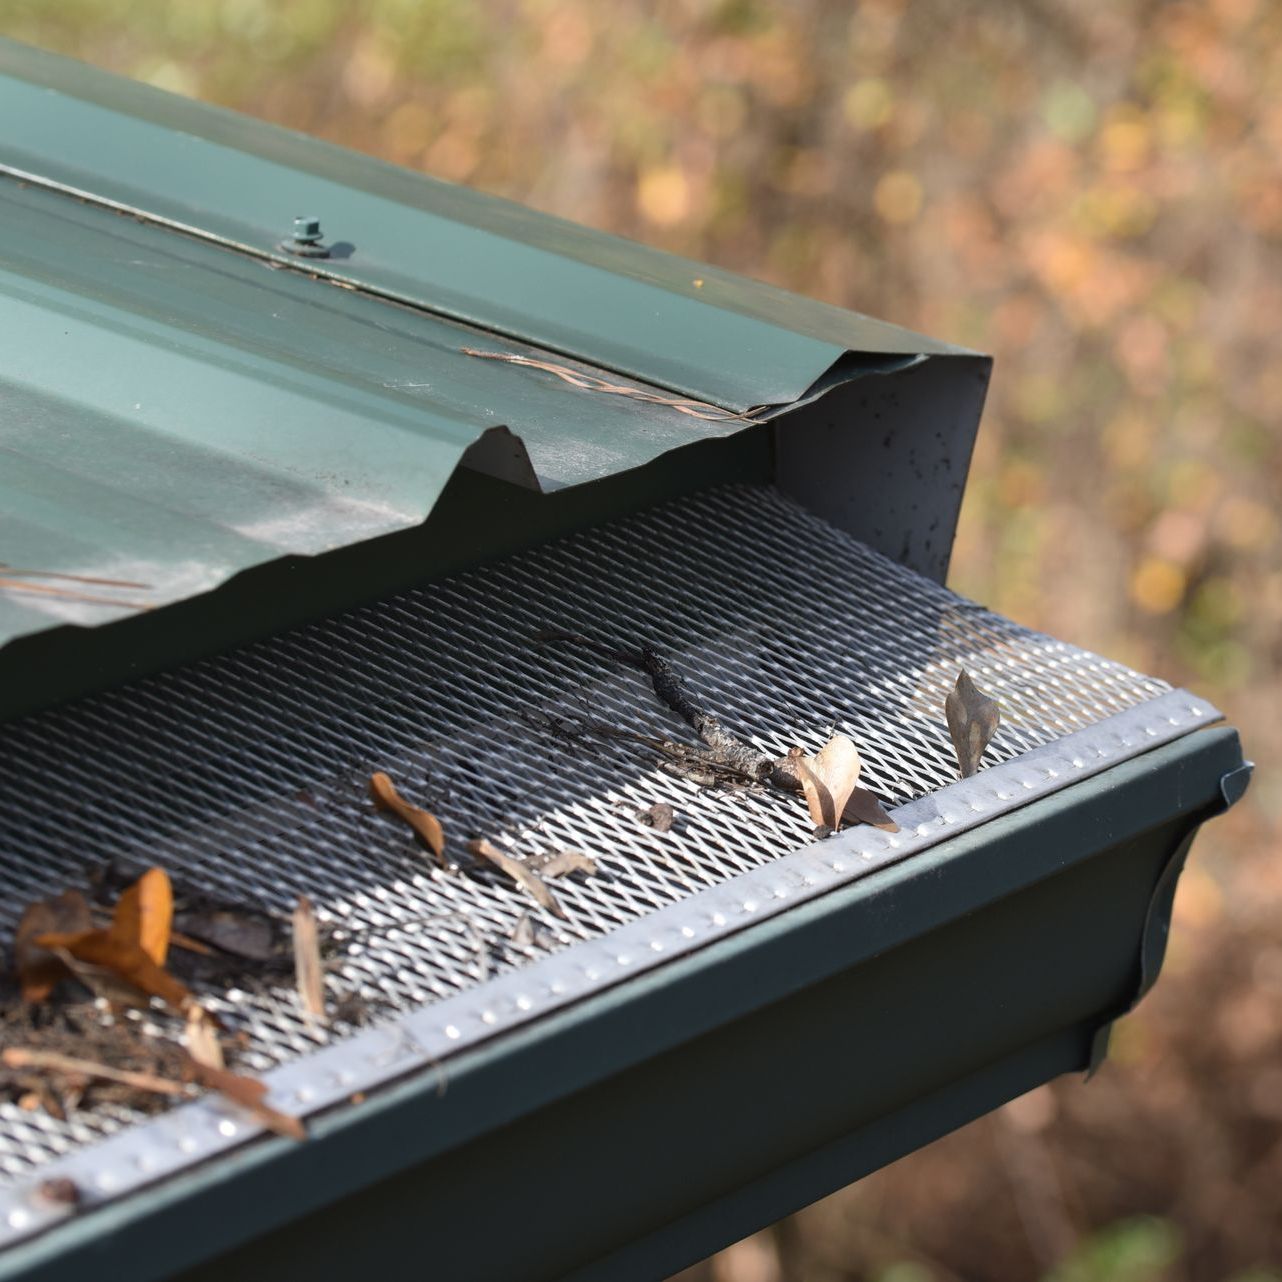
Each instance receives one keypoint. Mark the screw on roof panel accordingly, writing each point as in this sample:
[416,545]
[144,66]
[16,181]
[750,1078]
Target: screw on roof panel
[305,239]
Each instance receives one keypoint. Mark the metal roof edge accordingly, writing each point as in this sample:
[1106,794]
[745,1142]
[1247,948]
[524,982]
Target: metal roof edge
[692,328]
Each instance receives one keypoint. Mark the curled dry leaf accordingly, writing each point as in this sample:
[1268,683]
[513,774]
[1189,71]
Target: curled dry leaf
[308,972]
[828,778]
[519,873]
[566,862]
[145,914]
[972,721]
[426,826]
[201,1037]
[39,969]
[523,932]
[118,951]
[864,808]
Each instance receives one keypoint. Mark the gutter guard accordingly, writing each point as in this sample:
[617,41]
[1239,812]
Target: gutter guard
[728,591]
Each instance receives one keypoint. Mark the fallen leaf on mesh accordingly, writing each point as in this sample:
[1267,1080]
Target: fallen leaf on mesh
[308,973]
[828,778]
[972,721]
[118,950]
[39,968]
[660,816]
[249,1093]
[248,935]
[426,826]
[523,932]
[201,1038]
[519,873]
[144,914]
[864,808]
[566,862]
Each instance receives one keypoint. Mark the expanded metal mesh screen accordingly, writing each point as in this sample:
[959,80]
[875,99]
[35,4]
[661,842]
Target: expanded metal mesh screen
[247,775]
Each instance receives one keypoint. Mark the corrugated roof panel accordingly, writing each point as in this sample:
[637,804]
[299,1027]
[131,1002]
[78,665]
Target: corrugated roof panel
[704,332]
[174,412]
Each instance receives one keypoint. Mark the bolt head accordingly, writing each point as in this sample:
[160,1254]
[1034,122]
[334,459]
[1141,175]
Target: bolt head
[307,231]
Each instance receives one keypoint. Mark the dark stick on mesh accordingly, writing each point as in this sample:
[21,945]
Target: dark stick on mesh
[724,748]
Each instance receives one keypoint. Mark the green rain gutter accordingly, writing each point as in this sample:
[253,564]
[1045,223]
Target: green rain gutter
[621,1138]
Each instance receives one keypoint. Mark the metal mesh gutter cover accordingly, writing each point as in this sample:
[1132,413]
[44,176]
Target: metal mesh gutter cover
[246,775]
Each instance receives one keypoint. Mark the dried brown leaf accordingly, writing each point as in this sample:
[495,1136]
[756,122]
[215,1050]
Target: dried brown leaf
[39,968]
[523,932]
[249,1093]
[144,915]
[127,962]
[308,972]
[519,873]
[972,721]
[59,1191]
[660,816]
[242,933]
[828,778]
[565,862]
[145,909]
[864,808]
[426,826]
[201,1037]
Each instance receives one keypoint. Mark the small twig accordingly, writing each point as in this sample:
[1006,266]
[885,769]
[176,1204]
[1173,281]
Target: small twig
[685,761]
[14,572]
[27,1057]
[309,975]
[591,383]
[65,594]
[726,749]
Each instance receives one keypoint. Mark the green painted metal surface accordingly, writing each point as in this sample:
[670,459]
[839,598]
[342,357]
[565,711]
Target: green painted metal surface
[704,332]
[174,413]
[179,408]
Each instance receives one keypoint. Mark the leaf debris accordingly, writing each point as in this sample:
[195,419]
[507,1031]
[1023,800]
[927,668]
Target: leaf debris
[122,956]
[426,826]
[660,816]
[972,721]
[72,1066]
[564,863]
[828,778]
[864,808]
[514,868]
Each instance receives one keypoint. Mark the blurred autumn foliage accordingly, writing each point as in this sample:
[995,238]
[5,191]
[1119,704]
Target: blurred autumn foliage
[1093,193]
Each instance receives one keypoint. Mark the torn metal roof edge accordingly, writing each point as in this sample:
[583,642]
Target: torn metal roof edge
[59,593]
[697,330]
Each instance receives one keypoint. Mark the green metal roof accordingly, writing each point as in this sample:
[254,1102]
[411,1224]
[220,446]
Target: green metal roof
[181,400]
[732,341]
